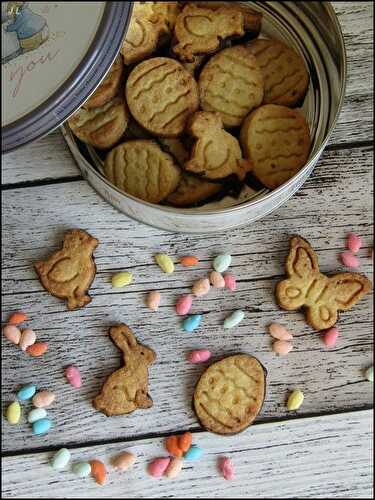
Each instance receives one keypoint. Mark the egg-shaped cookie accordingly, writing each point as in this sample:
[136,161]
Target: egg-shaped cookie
[161,95]
[231,84]
[277,142]
[230,394]
[109,87]
[141,168]
[284,72]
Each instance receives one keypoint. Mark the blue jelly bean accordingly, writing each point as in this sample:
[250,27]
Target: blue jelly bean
[41,426]
[194,453]
[192,322]
[26,392]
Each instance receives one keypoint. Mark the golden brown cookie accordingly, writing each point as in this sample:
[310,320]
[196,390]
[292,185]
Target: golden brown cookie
[101,127]
[69,272]
[192,190]
[276,140]
[126,389]
[109,87]
[142,169]
[285,75]
[161,96]
[198,30]
[321,296]
[176,148]
[230,394]
[231,84]
[216,153]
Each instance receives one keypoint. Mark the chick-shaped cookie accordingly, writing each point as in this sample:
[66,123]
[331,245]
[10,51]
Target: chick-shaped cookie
[216,153]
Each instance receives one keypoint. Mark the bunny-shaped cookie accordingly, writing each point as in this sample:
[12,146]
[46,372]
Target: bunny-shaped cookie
[127,388]
[306,286]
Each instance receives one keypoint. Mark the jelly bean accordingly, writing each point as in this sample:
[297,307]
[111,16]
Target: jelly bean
[37,349]
[14,413]
[61,459]
[226,468]
[42,426]
[73,376]
[230,282]
[221,263]
[36,414]
[28,338]
[354,242]
[124,461]
[174,468]
[234,319]
[194,453]
[43,399]
[217,280]
[185,440]
[183,304]
[279,332]
[191,322]
[188,261]
[295,400]
[330,337]
[17,318]
[370,374]
[349,260]
[165,263]
[201,287]
[12,333]
[153,300]
[172,446]
[281,347]
[26,392]
[199,356]
[82,469]
[98,471]
[158,466]
[119,280]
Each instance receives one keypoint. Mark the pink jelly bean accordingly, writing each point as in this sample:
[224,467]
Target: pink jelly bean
[226,468]
[230,282]
[199,356]
[73,376]
[330,337]
[279,332]
[12,333]
[28,338]
[158,466]
[349,260]
[183,304]
[281,347]
[353,242]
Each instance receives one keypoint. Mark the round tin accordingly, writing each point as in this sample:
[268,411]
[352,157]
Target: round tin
[54,55]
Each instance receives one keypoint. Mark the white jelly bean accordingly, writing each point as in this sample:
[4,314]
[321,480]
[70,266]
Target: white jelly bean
[36,414]
[234,319]
[60,459]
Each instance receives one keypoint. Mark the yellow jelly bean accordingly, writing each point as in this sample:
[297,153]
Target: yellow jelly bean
[120,280]
[295,400]
[14,413]
[164,262]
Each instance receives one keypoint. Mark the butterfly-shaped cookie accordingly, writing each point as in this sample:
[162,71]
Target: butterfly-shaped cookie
[322,296]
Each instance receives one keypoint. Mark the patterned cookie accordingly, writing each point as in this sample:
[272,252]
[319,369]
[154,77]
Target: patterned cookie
[109,87]
[285,76]
[276,140]
[231,84]
[216,153]
[192,190]
[230,394]
[142,169]
[101,127]
[161,96]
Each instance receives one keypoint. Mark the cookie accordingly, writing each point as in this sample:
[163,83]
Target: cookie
[216,153]
[192,190]
[285,75]
[176,148]
[126,389]
[231,84]
[101,127]
[109,87]
[320,295]
[69,272]
[198,30]
[193,66]
[142,169]
[161,96]
[276,140]
[230,394]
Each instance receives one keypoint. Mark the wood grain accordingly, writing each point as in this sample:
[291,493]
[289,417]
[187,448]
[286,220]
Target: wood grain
[325,457]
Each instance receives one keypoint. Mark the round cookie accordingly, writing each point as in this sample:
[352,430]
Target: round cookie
[230,394]
[284,72]
[109,87]
[141,168]
[277,142]
[231,84]
[192,190]
[101,127]
[161,96]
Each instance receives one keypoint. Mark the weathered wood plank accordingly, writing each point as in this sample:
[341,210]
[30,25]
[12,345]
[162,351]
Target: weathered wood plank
[321,457]
[337,199]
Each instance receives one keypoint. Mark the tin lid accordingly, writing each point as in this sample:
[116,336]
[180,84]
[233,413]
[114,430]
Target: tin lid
[53,56]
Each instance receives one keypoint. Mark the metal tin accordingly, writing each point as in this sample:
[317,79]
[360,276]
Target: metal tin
[313,30]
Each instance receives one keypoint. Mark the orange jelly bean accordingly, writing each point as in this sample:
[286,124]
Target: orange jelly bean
[185,441]
[172,446]
[189,260]
[17,318]
[37,349]
[98,471]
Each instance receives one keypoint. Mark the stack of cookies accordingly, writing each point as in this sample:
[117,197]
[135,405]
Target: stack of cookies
[196,104]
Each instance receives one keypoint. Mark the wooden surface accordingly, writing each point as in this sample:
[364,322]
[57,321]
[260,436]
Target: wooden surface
[44,195]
